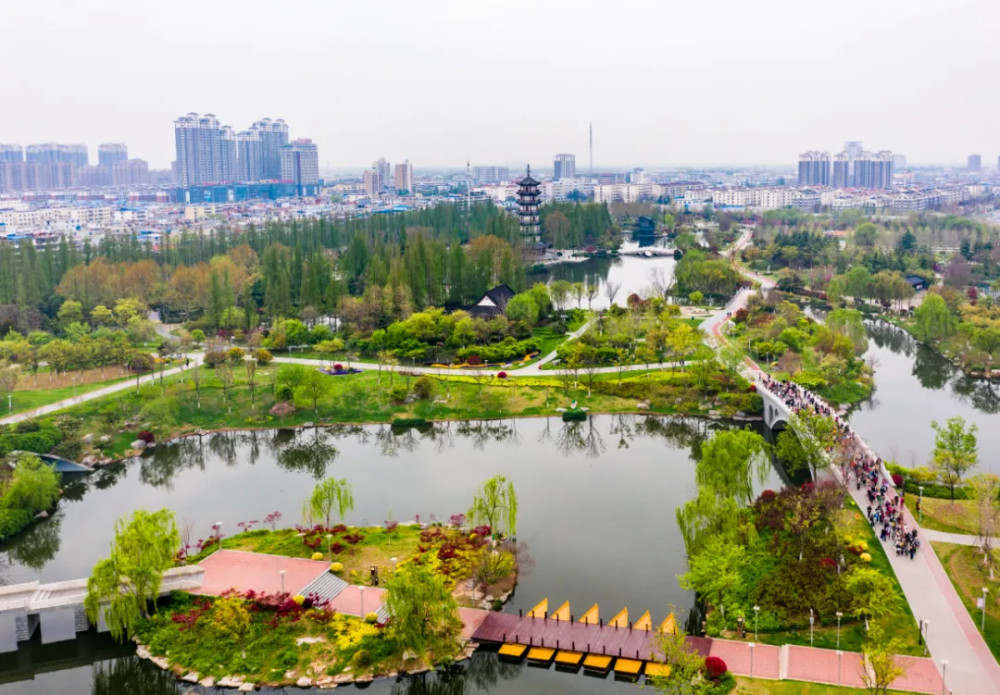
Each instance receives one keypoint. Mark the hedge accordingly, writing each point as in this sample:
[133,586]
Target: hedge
[13,521]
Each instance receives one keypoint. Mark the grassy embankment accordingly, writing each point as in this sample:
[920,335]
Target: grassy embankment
[964,565]
[759,686]
[173,409]
[958,516]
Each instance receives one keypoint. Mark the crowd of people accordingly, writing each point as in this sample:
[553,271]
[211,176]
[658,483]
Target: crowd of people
[860,464]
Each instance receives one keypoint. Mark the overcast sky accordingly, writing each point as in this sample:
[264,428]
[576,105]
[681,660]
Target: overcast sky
[665,82]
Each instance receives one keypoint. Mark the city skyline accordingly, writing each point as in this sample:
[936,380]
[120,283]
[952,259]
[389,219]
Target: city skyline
[706,96]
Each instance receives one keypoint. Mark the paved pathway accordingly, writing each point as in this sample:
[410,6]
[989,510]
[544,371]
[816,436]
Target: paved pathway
[96,393]
[958,538]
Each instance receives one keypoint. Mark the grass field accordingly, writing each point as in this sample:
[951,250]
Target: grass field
[760,686]
[945,515]
[36,398]
[964,566]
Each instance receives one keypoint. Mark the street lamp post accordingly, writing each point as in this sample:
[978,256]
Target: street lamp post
[839,654]
[756,615]
[362,601]
[281,573]
[329,546]
[839,616]
[752,645]
[920,503]
[10,403]
[944,670]
[982,626]
[812,621]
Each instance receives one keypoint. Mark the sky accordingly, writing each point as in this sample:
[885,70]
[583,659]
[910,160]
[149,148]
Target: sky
[441,82]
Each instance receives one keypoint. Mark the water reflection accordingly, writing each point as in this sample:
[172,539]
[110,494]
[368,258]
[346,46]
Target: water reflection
[482,672]
[132,675]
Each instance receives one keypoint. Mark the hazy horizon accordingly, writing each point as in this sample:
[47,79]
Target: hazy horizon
[439,83]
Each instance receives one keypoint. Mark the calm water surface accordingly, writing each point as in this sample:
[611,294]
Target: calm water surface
[596,508]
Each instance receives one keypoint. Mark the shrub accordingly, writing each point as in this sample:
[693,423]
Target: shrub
[336,567]
[423,388]
[398,393]
[317,556]
[213,358]
[897,480]
[285,392]
[715,667]
[235,354]
[263,357]
[371,618]
[12,521]
[299,599]
[338,367]
[363,658]
[146,436]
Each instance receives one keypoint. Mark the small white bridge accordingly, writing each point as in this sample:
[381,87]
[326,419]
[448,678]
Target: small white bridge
[776,411]
[57,609]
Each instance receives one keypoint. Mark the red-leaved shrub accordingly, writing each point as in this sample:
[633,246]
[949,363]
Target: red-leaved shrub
[715,667]
[897,480]
[147,436]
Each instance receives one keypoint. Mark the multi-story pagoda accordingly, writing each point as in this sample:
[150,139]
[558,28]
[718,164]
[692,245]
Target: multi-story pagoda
[528,200]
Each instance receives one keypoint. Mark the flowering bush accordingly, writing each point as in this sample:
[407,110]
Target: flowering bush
[715,667]
[828,563]
[391,525]
[865,557]
[457,520]
[272,519]
[338,367]
[371,618]
[317,556]
[336,567]
[146,436]
[501,375]
[897,480]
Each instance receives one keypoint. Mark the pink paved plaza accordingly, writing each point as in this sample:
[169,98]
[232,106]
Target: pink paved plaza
[235,569]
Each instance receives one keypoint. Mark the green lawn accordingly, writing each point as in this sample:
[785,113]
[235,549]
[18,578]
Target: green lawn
[945,515]
[36,398]
[759,686]
[964,566]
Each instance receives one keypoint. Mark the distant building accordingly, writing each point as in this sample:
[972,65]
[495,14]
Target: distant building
[250,155]
[109,154]
[853,149]
[92,176]
[11,153]
[371,182]
[273,135]
[300,166]
[490,174]
[564,167]
[131,172]
[842,177]
[528,200]
[974,163]
[404,177]
[198,142]
[51,152]
[493,303]
[873,170]
[384,170]
[814,168]
[898,163]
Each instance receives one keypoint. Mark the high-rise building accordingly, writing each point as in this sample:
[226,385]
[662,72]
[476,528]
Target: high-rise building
[404,177]
[974,163]
[528,200]
[371,183]
[228,167]
[110,153]
[873,170]
[841,171]
[898,163]
[11,153]
[384,170]
[131,172]
[250,155]
[300,165]
[49,152]
[273,136]
[814,168]
[490,174]
[564,167]
[853,149]
[92,176]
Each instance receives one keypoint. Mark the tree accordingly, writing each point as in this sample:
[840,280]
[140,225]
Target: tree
[8,378]
[873,594]
[848,322]
[955,450]
[685,665]
[251,367]
[611,290]
[226,377]
[986,496]
[817,435]
[123,584]
[100,315]
[879,668]
[715,570]
[424,612]
[866,235]
[495,505]
[33,486]
[732,462]
[326,496]
[314,385]
[934,320]
[70,312]
[987,339]
[560,290]
[232,619]
[592,289]
[522,307]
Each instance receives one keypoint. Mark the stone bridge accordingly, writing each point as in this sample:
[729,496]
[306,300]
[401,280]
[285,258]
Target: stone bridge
[776,413]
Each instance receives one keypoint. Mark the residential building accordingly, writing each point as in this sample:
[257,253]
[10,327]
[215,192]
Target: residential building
[974,163]
[228,166]
[853,149]
[564,167]
[842,177]
[273,136]
[873,170]
[490,174]
[250,155]
[131,172]
[196,139]
[300,166]
[110,153]
[92,176]
[11,153]
[384,170]
[404,177]
[49,152]
[371,182]
[814,168]
[898,163]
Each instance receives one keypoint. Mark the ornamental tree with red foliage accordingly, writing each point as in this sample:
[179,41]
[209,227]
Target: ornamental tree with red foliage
[715,668]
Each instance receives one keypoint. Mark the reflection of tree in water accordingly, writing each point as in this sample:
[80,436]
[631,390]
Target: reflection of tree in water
[441,435]
[37,545]
[682,433]
[622,426]
[546,434]
[481,672]
[482,432]
[515,436]
[388,445]
[167,461]
[109,476]
[931,369]
[580,436]
[132,675]
[895,339]
[224,445]
[309,452]
[980,393]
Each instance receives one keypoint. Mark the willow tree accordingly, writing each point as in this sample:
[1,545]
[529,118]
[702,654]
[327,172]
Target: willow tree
[495,505]
[732,462]
[424,612]
[326,496]
[122,585]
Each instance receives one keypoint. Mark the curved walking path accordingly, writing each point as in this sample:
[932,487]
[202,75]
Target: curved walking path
[957,538]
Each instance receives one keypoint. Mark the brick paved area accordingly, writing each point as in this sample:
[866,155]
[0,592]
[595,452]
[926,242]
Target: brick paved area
[234,569]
